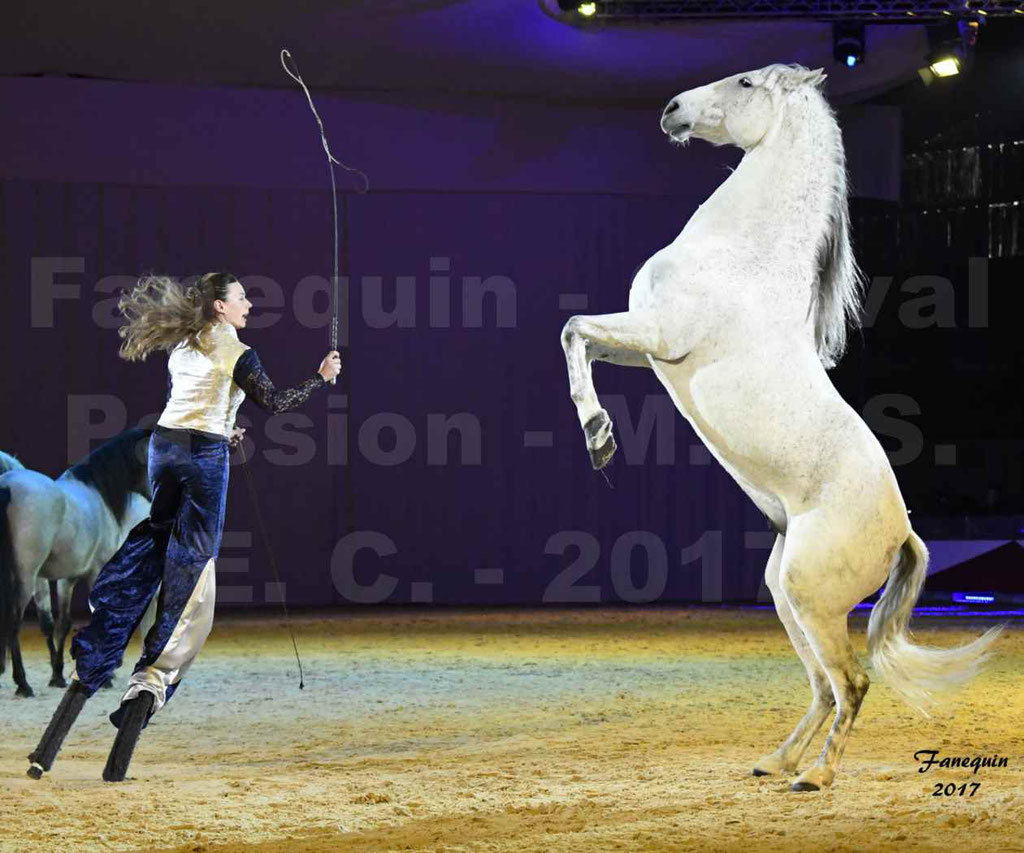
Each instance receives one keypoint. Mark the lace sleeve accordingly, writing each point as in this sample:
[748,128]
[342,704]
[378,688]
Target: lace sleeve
[250,376]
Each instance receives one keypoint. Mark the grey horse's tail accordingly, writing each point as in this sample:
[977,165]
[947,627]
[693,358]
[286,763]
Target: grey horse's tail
[10,592]
[918,673]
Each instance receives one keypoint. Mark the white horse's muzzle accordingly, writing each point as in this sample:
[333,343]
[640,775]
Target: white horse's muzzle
[680,120]
[675,122]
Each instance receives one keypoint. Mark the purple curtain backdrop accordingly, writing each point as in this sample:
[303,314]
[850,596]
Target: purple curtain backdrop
[447,465]
[431,417]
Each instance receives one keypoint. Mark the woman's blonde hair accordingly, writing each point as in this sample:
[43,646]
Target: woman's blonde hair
[161,313]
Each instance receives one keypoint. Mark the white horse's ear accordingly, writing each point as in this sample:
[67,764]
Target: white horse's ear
[817,77]
[787,78]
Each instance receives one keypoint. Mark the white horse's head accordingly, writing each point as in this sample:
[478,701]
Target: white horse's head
[738,110]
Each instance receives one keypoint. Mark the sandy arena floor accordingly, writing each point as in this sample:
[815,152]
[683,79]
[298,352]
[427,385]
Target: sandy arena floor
[511,731]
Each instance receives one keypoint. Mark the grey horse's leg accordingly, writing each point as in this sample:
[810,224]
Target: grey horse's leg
[61,628]
[44,613]
[17,665]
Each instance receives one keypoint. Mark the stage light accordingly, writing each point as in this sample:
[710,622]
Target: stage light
[952,45]
[584,10]
[973,598]
[848,43]
[947,66]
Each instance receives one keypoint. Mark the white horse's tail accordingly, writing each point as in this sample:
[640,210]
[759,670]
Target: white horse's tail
[917,673]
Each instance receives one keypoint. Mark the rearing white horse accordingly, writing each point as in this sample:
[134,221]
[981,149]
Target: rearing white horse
[739,317]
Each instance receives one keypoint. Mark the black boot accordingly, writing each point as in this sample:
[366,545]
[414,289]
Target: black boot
[136,713]
[63,719]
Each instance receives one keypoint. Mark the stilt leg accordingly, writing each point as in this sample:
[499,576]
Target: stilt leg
[63,719]
[136,712]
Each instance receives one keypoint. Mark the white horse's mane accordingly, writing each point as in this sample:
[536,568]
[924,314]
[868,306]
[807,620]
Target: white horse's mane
[836,298]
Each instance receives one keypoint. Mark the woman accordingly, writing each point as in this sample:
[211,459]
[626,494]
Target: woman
[211,372]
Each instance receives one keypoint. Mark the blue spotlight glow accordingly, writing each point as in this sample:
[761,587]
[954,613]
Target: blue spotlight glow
[972,598]
[851,60]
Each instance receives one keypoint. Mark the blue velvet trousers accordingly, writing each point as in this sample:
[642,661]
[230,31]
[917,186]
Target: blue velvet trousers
[173,550]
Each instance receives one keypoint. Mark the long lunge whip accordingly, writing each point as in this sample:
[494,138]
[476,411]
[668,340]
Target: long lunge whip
[292,70]
[270,555]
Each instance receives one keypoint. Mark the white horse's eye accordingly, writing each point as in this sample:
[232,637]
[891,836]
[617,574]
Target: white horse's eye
[745,82]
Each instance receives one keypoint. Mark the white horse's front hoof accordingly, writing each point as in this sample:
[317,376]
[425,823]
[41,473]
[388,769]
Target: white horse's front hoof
[600,441]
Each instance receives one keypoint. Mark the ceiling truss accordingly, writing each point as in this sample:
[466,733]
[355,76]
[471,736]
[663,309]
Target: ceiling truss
[905,11]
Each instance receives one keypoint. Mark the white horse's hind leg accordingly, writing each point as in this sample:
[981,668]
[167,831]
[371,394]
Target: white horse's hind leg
[836,555]
[787,757]
[625,338]
[833,560]
[831,643]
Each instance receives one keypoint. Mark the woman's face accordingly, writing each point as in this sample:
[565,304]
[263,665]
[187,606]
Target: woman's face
[235,308]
